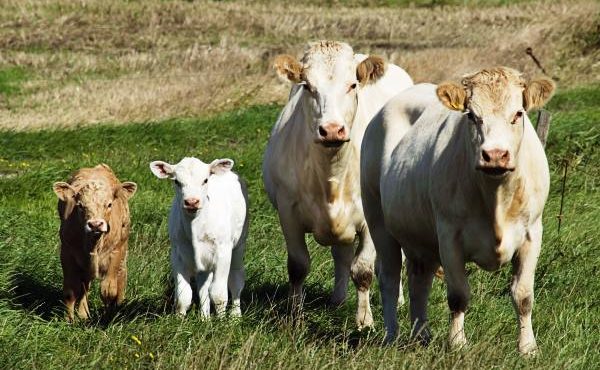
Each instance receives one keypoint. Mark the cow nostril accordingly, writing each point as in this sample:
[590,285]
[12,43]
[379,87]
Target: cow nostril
[486,157]
[505,155]
[322,131]
[342,130]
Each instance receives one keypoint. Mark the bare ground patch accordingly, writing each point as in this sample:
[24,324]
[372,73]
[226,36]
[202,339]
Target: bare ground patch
[113,61]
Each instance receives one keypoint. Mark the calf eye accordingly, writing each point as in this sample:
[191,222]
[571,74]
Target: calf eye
[205,181]
[109,205]
[352,87]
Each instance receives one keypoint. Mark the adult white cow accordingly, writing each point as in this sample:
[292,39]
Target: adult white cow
[311,164]
[455,174]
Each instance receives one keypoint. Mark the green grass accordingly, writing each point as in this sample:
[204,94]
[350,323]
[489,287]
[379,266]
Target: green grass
[33,333]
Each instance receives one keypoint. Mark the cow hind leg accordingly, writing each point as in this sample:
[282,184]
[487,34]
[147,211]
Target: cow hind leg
[236,284]
[183,293]
[342,260]
[420,278]
[524,263]
[361,271]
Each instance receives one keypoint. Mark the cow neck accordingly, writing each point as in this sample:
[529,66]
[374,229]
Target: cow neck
[330,167]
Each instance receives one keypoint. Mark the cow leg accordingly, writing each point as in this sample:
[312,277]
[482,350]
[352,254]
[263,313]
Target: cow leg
[457,286]
[524,263]
[108,291]
[420,277]
[236,280]
[203,283]
[298,261]
[122,279]
[362,276]
[389,257]
[342,259]
[183,293]
[71,283]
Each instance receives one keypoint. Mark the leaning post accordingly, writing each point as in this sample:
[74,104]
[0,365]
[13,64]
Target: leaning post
[543,125]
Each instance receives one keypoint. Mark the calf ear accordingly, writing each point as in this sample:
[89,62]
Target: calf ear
[220,166]
[66,194]
[537,93]
[370,69]
[161,169]
[63,190]
[128,188]
[452,95]
[288,68]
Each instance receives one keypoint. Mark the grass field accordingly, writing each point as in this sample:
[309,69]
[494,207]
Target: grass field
[144,333]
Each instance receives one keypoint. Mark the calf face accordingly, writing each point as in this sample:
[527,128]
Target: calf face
[92,202]
[330,76]
[190,178]
[495,102]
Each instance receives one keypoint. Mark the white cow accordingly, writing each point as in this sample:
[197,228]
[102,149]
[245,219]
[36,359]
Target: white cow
[311,164]
[456,174]
[208,225]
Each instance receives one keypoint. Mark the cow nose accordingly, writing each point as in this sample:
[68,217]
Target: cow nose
[97,225]
[191,203]
[496,157]
[332,131]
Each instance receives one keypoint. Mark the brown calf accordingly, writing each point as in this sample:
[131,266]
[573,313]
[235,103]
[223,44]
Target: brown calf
[94,231]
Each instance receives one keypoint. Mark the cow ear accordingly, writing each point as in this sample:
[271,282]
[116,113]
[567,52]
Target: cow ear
[288,68]
[128,188]
[66,194]
[452,95]
[220,166]
[537,93]
[63,190]
[161,169]
[370,70]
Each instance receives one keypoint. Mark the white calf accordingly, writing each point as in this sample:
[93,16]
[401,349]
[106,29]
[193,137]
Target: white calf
[208,226]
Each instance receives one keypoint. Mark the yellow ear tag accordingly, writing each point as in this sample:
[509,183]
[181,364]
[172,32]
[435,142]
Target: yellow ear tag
[457,106]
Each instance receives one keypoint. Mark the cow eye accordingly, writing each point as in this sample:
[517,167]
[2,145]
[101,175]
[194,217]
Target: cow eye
[205,181]
[109,205]
[517,117]
[352,87]
[177,183]
[471,116]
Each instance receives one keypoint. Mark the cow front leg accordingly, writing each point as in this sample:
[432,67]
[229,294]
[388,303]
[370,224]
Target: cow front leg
[83,311]
[236,279]
[183,293]
[524,263]
[420,278]
[218,286]
[203,282]
[362,276]
[342,260]
[298,259]
[457,286]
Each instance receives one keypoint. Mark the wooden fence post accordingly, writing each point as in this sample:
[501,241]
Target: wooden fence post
[543,125]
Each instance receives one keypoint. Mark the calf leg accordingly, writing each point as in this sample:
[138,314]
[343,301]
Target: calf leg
[420,277]
[183,293]
[524,263]
[218,286]
[236,279]
[203,282]
[342,260]
[362,276]
[83,311]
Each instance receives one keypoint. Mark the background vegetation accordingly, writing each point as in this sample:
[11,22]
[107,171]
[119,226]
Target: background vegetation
[75,64]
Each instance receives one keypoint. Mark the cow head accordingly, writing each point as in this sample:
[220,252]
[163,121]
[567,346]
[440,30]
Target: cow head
[190,179]
[330,75]
[92,202]
[495,102]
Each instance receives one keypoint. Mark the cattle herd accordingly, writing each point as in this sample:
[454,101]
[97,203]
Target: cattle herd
[436,176]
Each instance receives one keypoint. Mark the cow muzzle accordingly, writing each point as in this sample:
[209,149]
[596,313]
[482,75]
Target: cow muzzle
[495,162]
[332,134]
[191,205]
[96,226]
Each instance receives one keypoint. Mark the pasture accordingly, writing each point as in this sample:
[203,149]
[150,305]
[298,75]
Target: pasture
[156,106]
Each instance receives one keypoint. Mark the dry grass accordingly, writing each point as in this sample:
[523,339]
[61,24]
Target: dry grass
[115,61]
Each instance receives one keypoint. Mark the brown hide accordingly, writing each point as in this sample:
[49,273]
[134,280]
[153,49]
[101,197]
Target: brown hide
[85,256]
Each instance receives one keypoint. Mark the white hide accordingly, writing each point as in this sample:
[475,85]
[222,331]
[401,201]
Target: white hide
[206,245]
[315,188]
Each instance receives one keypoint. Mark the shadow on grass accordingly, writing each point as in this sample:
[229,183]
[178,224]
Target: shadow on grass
[29,293]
